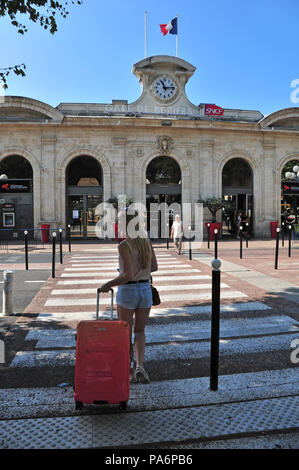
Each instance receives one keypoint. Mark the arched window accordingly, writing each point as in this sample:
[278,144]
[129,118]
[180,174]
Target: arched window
[16,166]
[163,170]
[84,171]
[236,174]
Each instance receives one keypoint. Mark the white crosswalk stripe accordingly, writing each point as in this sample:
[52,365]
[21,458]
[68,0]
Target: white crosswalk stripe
[177,331]
[161,289]
[175,351]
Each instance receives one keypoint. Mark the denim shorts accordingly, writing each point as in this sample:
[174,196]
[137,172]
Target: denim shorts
[135,295]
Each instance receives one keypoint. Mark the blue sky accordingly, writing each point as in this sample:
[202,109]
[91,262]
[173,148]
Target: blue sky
[245,52]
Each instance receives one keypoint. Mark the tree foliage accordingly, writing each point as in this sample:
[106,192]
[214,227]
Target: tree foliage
[214,204]
[43,12]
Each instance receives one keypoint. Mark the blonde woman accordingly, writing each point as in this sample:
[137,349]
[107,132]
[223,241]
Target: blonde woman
[137,260]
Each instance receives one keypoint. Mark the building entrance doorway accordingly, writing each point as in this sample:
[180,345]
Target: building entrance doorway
[237,191]
[163,185]
[83,215]
[84,194]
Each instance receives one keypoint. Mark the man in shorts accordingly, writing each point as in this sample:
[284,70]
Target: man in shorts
[177,233]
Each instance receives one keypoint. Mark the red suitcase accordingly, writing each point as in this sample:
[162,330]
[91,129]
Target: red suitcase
[102,370]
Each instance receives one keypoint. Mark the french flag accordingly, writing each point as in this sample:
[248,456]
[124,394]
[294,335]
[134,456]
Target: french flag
[171,27]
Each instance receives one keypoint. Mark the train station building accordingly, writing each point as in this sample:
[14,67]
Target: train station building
[62,162]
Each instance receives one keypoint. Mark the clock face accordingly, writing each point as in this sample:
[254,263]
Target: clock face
[164,88]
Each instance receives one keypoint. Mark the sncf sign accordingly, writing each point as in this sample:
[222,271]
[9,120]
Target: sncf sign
[213,110]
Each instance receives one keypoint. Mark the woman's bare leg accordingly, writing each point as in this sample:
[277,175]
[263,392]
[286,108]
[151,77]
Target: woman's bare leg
[127,315]
[141,318]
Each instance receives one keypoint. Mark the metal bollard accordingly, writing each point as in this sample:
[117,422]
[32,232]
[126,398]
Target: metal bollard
[282,234]
[277,247]
[69,237]
[215,243]
[241,242]
[8,284]
[215,325]
[208,236]
[167,236]
[190,249]
[60,245]
[53,253]
[247,226]
[26,249]
[290,238]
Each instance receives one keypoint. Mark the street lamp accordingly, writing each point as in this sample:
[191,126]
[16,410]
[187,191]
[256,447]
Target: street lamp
[293,175]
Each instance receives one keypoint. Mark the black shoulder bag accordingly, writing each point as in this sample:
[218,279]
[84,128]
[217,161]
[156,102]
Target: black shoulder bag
[155,294]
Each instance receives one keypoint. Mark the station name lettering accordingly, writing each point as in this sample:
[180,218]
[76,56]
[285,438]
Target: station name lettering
[124,108]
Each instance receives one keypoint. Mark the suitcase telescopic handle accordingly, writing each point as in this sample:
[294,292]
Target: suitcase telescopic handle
[98,303]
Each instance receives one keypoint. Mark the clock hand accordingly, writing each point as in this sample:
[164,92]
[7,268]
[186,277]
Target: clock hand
[163,84]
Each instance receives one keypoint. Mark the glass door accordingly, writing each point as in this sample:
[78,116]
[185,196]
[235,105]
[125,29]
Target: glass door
[91,215]
[83,215]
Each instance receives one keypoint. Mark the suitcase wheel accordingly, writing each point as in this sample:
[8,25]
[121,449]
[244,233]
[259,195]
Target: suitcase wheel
[79,405]
[123,405]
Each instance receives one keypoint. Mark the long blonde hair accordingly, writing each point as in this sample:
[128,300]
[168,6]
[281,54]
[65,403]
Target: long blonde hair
[140,242]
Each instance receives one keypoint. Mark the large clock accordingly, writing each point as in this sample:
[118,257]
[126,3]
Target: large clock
[164,89]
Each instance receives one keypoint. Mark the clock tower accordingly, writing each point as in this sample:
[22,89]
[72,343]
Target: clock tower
[163,80]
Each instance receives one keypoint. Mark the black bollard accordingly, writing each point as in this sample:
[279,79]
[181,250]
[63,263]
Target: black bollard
[276,249]
[69,237]
[26,249]
[190,248]
[247,226]
[290,240]
[282,234]
[53,253]
[208,236]
[241,243]
[215,243]
[167,236]
[60,245]
[215,325]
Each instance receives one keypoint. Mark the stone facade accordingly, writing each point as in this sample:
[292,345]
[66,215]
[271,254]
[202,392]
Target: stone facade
[124,138]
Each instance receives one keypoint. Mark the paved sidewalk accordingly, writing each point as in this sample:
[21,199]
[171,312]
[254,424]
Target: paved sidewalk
[258,382]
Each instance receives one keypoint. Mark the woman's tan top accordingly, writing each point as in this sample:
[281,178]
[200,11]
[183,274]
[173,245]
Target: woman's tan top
[139,273]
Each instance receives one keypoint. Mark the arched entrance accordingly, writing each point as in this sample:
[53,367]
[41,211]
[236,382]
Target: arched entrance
[84,187]
[290,193]
[163,185]
[16,197]
[237,189]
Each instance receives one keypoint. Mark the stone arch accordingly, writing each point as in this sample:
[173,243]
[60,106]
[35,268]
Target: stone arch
[285,159]
[236,153]
[281,118]
[185,173]
[256,176]
[34,106]
[92,153]
[36,168]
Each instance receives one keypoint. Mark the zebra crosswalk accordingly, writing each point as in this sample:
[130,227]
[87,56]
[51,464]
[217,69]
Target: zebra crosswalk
[177,336]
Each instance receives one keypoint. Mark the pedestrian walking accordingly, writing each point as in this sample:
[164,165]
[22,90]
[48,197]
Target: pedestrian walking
[137,260]
[177,233]
[239,221]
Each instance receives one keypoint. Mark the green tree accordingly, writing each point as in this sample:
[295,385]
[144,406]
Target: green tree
[214,204]
[38,11]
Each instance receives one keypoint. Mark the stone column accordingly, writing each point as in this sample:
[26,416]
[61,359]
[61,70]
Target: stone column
[49,191]
[270,189]
[206,169]
[118,176]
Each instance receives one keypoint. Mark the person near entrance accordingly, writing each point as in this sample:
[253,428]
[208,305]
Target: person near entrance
[137,260]
[177,233]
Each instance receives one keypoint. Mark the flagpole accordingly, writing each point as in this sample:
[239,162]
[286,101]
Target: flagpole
[145,33]
[176,41]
